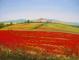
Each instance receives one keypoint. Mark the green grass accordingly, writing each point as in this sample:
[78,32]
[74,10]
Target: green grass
[43,27]
[62,27]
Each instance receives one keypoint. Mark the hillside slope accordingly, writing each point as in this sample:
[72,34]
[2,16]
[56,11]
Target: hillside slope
[28,26]
[59,27]
[43,27]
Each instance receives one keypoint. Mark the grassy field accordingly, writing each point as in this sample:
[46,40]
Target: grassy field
[59,27]
[39,41]
[43,27]
[28,26]
[18,54]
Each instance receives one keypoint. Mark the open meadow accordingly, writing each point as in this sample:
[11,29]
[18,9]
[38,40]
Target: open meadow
[39,41]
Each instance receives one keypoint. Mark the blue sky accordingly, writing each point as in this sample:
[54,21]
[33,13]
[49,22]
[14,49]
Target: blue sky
[64,10]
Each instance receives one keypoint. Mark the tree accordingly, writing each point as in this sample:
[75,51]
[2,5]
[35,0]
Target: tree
[28,21]
[11,23]
[2,25]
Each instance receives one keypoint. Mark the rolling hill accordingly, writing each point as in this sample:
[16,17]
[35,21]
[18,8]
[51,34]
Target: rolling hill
[43,26]
[39,41]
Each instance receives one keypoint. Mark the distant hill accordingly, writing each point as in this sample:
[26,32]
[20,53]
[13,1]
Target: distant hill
[43,24]
[56,21]
[43,27]
[14,21]
[41,20]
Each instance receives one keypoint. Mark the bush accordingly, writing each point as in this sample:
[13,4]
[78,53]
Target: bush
[2,25]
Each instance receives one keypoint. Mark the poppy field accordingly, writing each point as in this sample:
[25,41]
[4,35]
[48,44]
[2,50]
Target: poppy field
[40,43]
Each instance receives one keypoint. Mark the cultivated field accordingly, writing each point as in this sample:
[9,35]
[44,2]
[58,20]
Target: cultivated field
[39,41]
[58,27]
[27,26]
[43,27]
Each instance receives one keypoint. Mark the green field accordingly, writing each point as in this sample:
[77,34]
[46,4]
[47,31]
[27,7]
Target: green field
[59,27]
[43,27]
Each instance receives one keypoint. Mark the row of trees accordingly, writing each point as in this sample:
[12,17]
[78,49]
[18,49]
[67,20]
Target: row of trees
[4,24]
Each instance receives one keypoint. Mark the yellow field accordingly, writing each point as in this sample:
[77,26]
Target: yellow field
[29,26]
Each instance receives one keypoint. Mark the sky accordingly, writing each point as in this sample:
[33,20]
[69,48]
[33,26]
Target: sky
[64,10]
